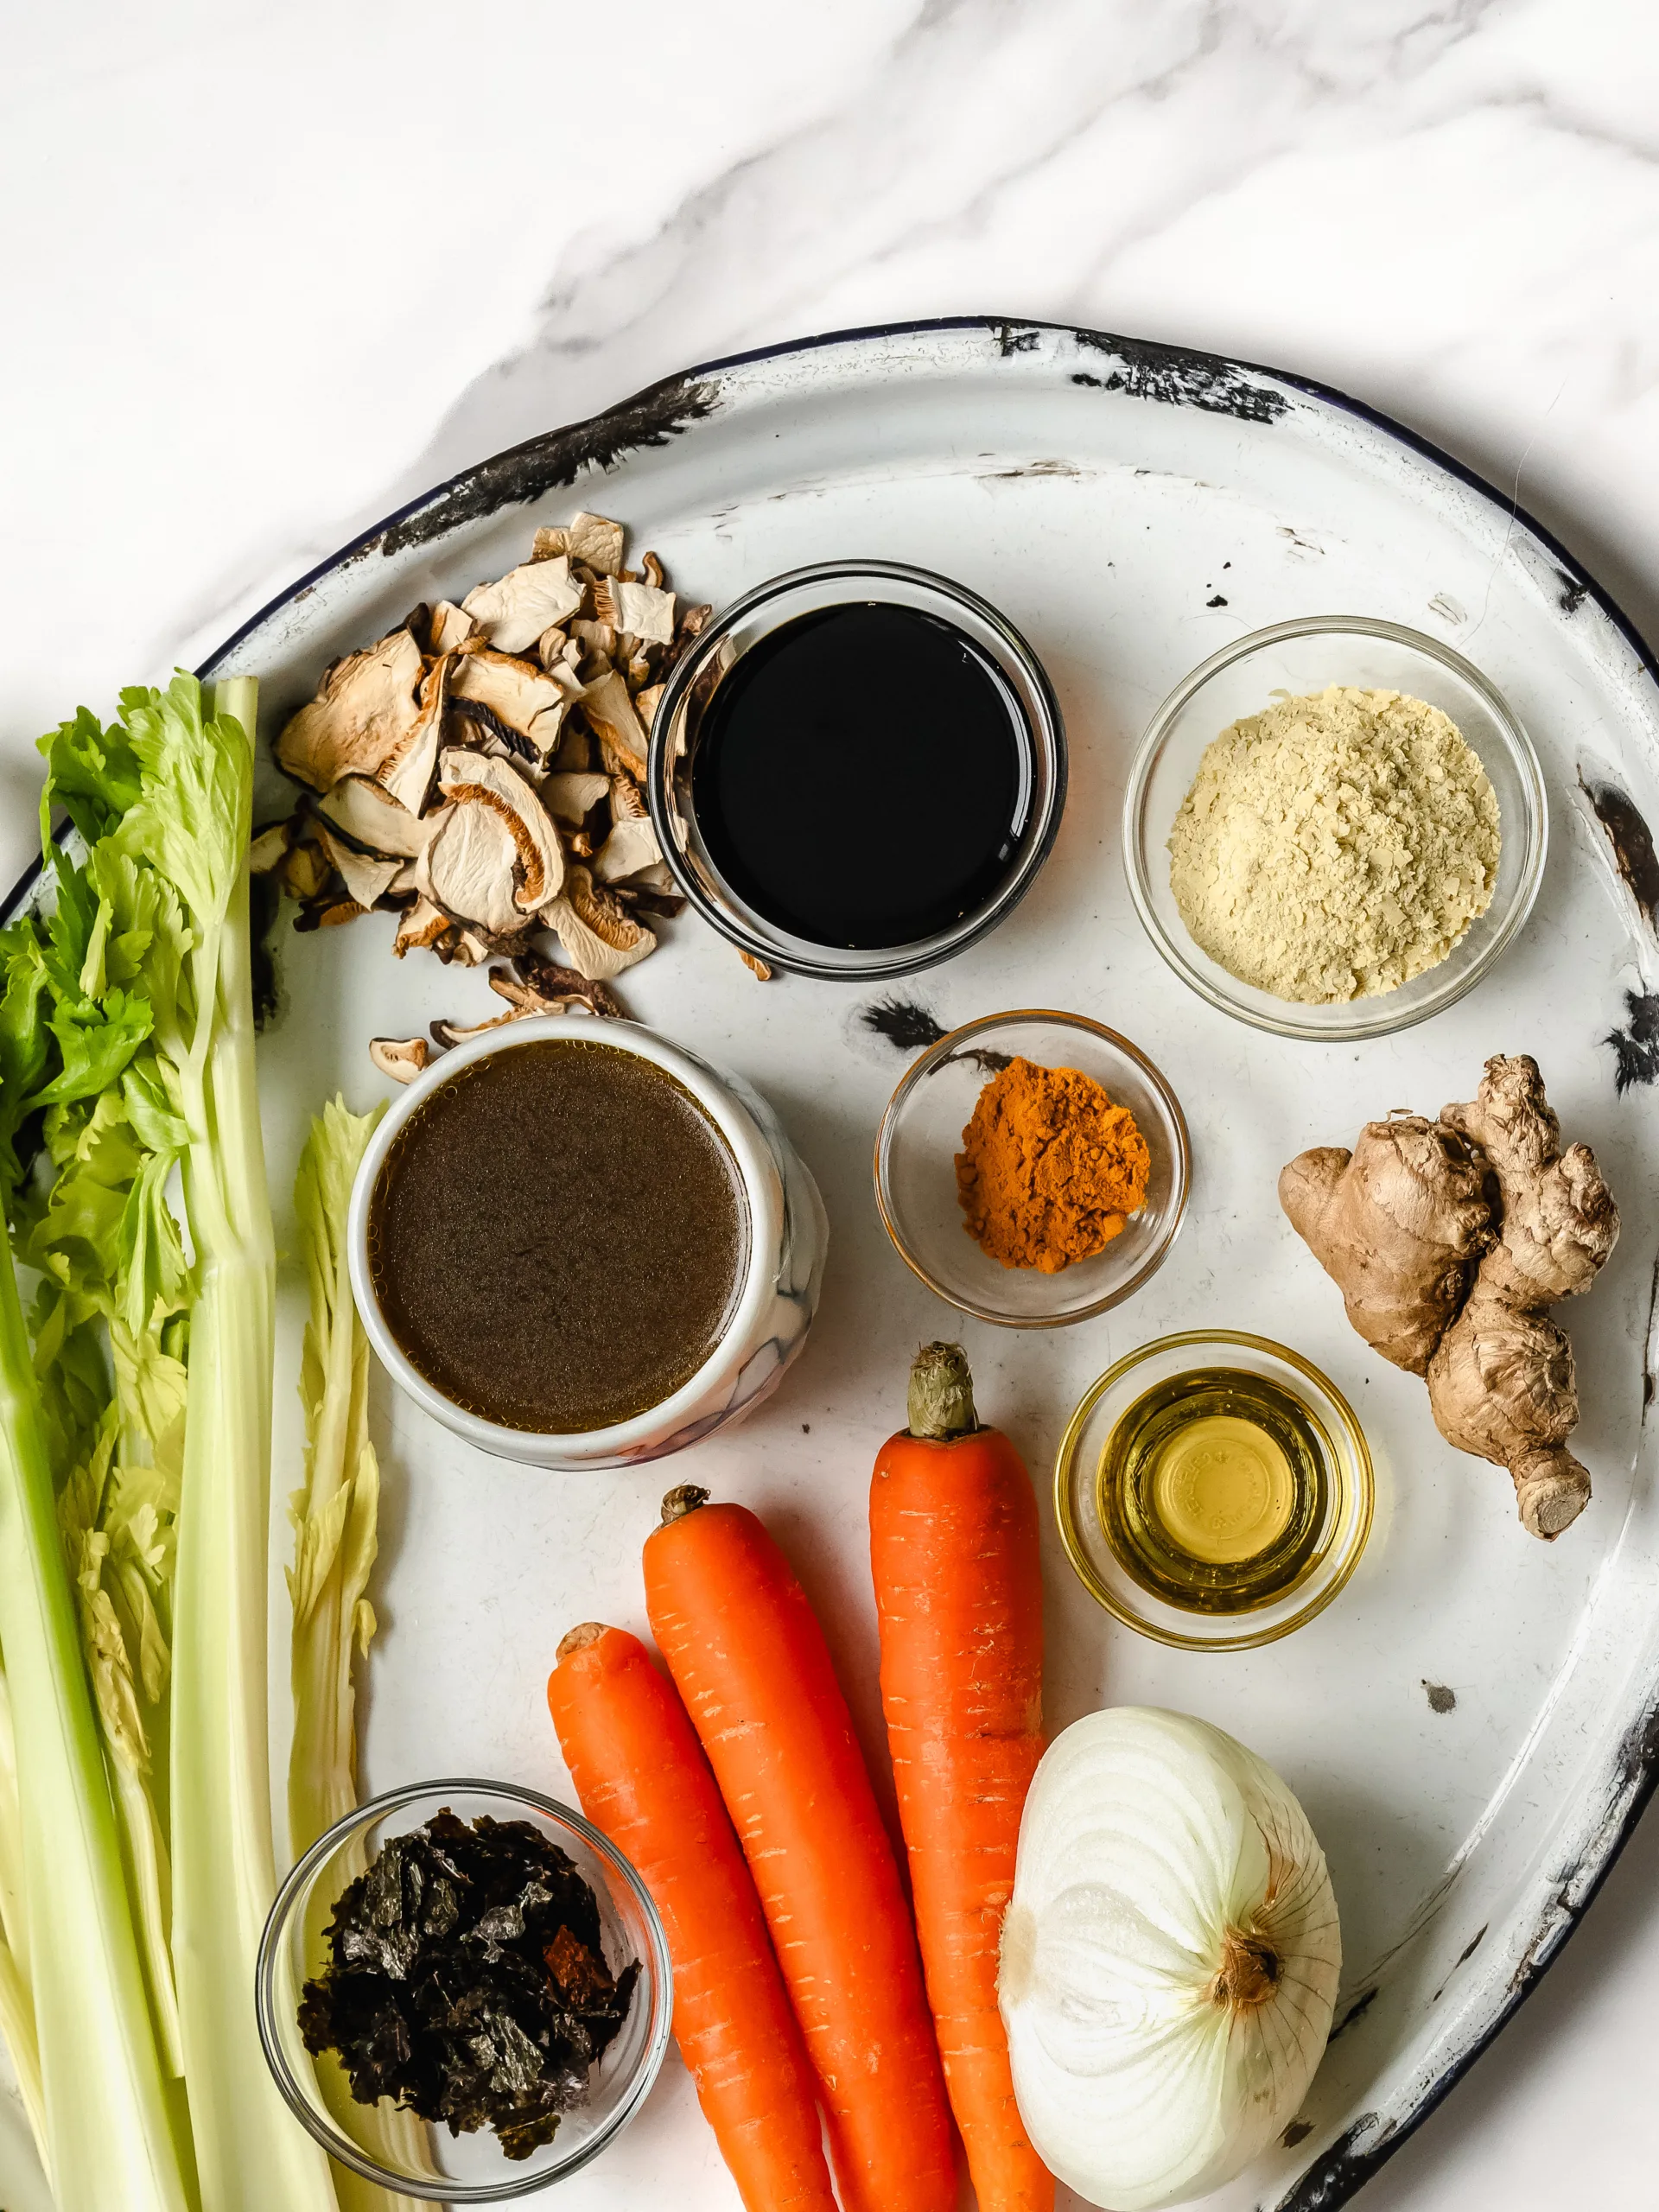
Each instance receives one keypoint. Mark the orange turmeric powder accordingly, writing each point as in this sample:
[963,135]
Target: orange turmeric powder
[1051,1168]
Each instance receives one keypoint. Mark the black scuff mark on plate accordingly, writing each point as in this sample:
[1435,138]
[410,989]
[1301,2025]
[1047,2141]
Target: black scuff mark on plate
[1333,2178]
[1636,1047]
[1044,467]
[1298,2132]
[1179,378]
[1217,602]
[905,1024]
[1573,593]
[910,1027]
[1015,338]
[1440,1698]
[1462,1959]
[1637,1763]
[551,461]
[1631,840]
[1356,2012]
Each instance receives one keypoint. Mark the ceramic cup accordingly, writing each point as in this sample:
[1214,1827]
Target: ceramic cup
[788,1235]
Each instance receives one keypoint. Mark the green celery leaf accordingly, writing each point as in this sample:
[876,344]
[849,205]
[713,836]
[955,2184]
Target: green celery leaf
[97,1037]
[191,817]
[91,772]
[25,1040]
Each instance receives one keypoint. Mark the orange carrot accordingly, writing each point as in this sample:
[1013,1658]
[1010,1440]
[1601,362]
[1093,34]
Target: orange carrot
[959,1598]
[644,1782]
[751,1662]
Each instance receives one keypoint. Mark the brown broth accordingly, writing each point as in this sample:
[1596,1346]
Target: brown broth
[558,1236]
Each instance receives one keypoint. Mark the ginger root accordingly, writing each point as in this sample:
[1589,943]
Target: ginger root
[1448,1239]
[1405,1213]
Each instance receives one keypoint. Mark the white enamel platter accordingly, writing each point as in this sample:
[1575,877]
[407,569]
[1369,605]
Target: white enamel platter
[1131,509]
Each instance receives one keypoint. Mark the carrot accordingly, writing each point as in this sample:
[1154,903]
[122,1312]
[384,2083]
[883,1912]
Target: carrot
[959,1599]
[751,1662]
[644,1782]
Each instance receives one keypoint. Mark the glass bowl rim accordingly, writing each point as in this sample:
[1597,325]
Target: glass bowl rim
[942,1049]
[1362,1482]
[332,2138]
[1535,826]
[881,964]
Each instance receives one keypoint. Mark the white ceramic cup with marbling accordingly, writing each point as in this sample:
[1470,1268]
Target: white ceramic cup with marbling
[788,1235]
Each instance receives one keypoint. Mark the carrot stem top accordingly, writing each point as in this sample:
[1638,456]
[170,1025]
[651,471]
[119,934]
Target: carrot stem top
[681,1501]
[942,1394]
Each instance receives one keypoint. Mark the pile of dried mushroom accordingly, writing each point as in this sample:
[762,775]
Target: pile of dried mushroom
[479,770]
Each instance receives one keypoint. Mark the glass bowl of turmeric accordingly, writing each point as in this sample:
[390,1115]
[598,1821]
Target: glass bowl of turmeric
[1031,1168]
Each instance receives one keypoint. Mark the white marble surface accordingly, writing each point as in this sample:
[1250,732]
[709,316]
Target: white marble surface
[270,271]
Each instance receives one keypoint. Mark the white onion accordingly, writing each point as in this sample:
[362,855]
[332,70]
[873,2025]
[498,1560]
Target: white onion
[1169,1958]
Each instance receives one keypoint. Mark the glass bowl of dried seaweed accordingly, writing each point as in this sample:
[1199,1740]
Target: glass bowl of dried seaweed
[464,1991]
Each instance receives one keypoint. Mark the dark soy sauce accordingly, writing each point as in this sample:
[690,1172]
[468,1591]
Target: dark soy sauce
[863,777]
[558,1236]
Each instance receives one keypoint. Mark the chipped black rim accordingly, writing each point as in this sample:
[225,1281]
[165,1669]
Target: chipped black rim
[1213,382]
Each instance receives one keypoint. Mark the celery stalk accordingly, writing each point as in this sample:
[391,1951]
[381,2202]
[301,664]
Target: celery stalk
[333,1514]
[106,2113]
[251,2155]
[17,1998]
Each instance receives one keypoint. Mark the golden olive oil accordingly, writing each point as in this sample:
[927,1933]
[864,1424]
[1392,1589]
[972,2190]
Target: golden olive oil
[1213,1490]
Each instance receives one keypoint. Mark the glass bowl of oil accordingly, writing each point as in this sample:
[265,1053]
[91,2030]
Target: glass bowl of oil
[1214,1491]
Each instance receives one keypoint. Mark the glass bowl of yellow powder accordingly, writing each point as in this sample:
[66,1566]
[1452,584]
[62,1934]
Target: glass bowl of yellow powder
[1031,1168]
[1334,827]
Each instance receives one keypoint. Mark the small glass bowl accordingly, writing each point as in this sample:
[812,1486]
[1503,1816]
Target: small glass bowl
[718,647]
[1303,656]
[920,1135]
[388,2146]
[1076,1492]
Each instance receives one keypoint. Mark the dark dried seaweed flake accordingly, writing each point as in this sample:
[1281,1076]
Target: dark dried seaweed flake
[466,1979]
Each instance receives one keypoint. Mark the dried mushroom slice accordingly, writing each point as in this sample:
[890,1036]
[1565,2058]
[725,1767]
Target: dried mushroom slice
[645,704]
[365,709]
[401,1057]
[521,696]
[422,926]
[366,879]
[366,813]
[451,626]
[407,771]
[468,868]
[270,846]
[446,1033]
[631,844]
[639,610]
[600,936]
[513,613]
[573,798]
[596,541]
[610,710]
[305,871]
[541,986]
[468,778]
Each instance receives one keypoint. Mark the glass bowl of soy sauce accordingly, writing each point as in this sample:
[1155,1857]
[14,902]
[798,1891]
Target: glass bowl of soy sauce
[857,770]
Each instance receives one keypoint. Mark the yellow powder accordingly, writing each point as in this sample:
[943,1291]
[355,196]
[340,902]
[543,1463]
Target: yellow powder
[1336,845]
